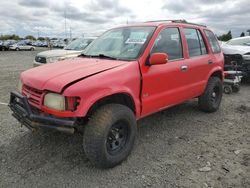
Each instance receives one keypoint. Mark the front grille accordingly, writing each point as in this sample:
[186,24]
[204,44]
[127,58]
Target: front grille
[40,59]
[34,95]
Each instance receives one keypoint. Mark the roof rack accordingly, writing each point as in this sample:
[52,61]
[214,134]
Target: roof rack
[177,21]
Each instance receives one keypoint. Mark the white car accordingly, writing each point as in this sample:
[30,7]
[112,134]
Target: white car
[239,46]
[21,46]
[73,49]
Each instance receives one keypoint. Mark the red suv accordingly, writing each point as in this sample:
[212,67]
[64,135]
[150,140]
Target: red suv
[127,73]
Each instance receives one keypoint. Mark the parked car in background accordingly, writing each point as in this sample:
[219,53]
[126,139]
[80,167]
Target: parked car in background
[73,49]
[240,46]
[126,74]
[4,46]
[237,51]
[21,46]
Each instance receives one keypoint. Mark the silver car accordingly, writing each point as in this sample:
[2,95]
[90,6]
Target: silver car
[73,49]
[21,46]
[239,46]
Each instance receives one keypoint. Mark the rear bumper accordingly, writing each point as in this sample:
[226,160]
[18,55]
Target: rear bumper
[23,112]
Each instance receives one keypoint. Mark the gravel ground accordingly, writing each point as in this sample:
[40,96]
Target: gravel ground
[179,147]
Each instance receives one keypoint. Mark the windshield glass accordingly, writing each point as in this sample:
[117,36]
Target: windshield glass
[78,44]
[240,41]
[122,43]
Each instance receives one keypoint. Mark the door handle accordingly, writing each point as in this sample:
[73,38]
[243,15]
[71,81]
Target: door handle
[184,67]
[210,62]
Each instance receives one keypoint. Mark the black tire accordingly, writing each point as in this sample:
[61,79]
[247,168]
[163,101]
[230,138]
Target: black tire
[17,49]
[109,135]
[227,89]
[210,100]
[236,88]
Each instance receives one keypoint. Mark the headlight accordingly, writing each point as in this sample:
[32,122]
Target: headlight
[19,86]
[52,59]
[55,101]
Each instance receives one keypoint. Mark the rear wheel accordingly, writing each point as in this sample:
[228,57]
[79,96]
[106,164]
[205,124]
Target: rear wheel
[210,100]
[17,49]
[109,135]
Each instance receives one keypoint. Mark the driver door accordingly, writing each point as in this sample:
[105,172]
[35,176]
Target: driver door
[166,84]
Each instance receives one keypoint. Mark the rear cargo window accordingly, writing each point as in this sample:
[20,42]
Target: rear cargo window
[213,42]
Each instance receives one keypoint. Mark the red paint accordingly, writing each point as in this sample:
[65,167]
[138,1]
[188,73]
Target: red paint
[152,88]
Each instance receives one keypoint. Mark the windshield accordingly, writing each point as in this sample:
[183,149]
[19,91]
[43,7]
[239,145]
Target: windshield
[122,43]
[240,41]
[78,44]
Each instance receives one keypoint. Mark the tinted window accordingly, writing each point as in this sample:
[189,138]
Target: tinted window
[202,44]
[194,46]
[169,41]
[213,42]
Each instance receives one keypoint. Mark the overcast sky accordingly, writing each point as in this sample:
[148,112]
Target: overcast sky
[46,17]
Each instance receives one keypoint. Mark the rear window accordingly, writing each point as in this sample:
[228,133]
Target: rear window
[213,42]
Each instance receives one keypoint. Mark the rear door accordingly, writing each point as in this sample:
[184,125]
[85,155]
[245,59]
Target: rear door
[198,61]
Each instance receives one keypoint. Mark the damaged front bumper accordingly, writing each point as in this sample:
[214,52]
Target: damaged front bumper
[23,112]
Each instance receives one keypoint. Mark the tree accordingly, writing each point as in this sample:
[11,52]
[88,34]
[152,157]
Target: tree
[242,34]
[30,37]
[40,38]
[225,37]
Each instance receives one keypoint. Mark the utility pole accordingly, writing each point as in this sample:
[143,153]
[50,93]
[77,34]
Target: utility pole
[70,33]
[65,22]
[38,34]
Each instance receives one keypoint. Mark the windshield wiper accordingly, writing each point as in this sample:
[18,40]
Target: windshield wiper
[105,56]
[99,56]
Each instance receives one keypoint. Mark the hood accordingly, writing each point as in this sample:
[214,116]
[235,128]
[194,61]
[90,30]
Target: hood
[57,53]
[235,49]
[56,76]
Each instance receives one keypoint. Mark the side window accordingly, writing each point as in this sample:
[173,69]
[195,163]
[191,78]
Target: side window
[213,42]
[194,45]
[169,41]
[202,43]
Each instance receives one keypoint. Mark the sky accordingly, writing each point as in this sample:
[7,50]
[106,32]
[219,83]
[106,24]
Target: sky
[92,17]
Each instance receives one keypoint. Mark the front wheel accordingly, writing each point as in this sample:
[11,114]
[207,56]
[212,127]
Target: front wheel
[109,135]
[17,49]
[210,100]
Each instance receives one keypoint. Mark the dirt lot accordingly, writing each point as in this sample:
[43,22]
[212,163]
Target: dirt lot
[179,147]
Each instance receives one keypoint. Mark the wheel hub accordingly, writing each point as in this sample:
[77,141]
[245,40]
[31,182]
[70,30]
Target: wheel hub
[117,138]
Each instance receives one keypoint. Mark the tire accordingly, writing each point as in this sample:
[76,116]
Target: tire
[32,49]
[109,135]
[227,89]
[17,49]
[210,100]
[236,88]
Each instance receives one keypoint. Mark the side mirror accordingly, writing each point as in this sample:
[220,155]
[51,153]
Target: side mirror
[158,58]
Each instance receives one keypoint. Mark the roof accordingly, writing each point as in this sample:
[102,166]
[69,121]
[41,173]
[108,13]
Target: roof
[167,22]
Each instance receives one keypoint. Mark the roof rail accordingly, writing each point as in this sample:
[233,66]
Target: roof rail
[177,21]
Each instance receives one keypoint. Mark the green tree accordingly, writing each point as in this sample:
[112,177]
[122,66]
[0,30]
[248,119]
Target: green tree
[225,37]
[40,38]
[30,37]
[242,34]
